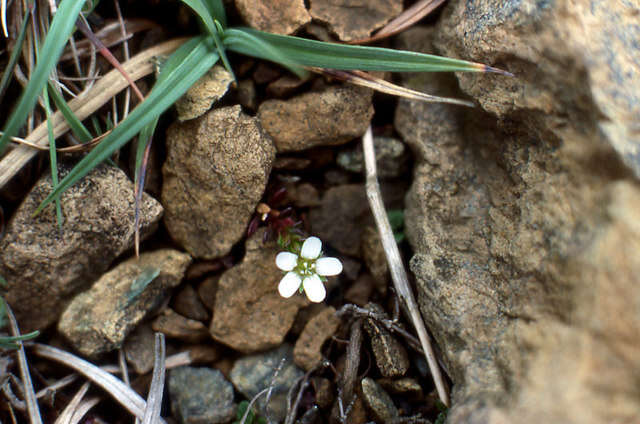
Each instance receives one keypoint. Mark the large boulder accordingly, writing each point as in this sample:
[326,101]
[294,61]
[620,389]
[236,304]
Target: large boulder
[524,213]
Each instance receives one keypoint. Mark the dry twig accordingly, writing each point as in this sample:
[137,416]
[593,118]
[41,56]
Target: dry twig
[398,273]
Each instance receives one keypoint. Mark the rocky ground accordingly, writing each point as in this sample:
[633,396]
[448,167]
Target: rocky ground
[521,226]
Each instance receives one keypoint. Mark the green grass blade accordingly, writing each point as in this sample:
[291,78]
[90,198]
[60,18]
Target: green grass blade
[53,157]
[248,43]
[77,127]
[199,56]
[15,55]
[216,10]
[345,57]
[60,30]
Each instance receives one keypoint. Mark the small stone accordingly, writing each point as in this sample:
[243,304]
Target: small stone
[216,170]
[99,319]
[207,291]
[249,314]
[200,396]
[291,163]
[188,304]
[330,117]
[307,353]
[338,221]
[391,357]
[351,268]
[391,158]
[405,386]
[360,291]
[265,73]
[354,19]
[247,95]
[204,93]
[284,86]
[375,258]
[336,177]
[254,373]
[204,354]
[139,349]
[45,266]
[176,326]
[303,195]
[378,401]
[277,16]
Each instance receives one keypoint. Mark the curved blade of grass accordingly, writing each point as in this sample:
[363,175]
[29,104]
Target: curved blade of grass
[77,127]
[15,54]
[198,57]
[145,138]
[247,43]
[346,57]
[216,10]
[60,30]
[53,156]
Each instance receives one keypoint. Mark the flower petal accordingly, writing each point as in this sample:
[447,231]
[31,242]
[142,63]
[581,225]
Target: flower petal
[314,288]
[311,248]
[289,284]
[286,261]
[328,266]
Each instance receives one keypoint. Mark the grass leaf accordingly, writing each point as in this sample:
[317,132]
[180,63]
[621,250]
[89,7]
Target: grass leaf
[15,54]
[216,10]
[246,42]
[53,157]
[60,30]
[193,59]
[77,127]
[204,13]
[319,54]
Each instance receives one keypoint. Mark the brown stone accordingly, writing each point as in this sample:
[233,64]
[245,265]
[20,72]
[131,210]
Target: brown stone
[204,93]
[100,319]
[523,217]
[390,355]
[249,314]
[187,303]
[216,171]
[277,16]
[176,326]
[45,266]
[375,258]
[332,116]
[355,19]
[307,352]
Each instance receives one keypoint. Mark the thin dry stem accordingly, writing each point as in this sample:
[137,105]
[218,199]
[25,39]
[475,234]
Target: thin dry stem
[398,273]
[84,105]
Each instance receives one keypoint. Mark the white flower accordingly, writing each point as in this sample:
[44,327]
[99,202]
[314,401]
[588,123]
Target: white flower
[306,270]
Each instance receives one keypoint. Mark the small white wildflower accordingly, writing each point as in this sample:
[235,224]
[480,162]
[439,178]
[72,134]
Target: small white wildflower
[306,270]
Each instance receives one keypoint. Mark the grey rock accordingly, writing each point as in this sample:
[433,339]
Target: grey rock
[200,396]
[204,93]
[330,117]
[45,266]
[254,373]
[378,401]
[351,19]
[391,158]
[517,214]
[216,171]
[249,314]
[390,355]
[99,319]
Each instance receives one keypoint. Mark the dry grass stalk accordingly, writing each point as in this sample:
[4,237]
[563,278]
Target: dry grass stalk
[398,273]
